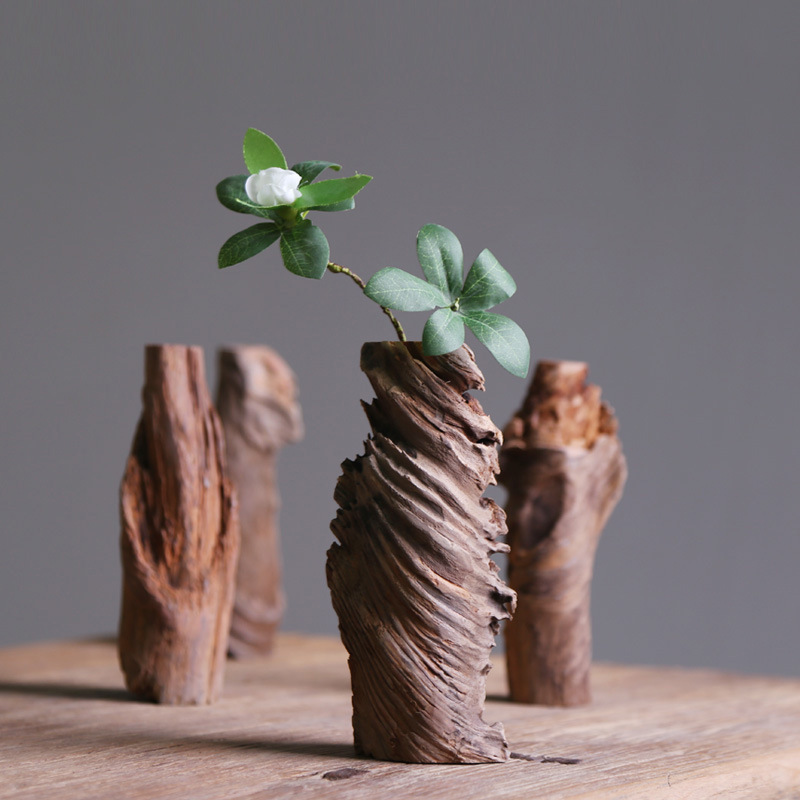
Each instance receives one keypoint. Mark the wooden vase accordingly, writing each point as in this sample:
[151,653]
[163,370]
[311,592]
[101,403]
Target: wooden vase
[418,598]
[257,403]
[180,537]
[563,466]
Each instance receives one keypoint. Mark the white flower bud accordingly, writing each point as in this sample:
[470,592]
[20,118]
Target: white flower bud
[273,187]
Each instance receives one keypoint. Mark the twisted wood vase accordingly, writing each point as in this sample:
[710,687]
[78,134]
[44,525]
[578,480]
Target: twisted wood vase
[418,598]
[257,403]
[180,537]
[563,466]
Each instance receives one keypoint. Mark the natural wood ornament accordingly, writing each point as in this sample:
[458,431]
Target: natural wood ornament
[180,537]
[257,403]
[563,466]
[419,599]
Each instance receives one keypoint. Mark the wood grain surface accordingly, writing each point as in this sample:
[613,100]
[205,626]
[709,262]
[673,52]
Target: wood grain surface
[418,597]
[68,729]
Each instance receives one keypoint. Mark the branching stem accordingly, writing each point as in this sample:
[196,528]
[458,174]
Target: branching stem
[360,283]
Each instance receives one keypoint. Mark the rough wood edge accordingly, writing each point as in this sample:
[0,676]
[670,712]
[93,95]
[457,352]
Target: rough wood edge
[180,537]
[563,466]
[418,598]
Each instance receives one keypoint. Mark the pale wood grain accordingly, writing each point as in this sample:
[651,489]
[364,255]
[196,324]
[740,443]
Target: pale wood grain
[68,729]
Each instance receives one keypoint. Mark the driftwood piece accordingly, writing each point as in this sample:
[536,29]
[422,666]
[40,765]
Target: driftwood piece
[563,466]
[418,598]
[180,537]
[257,403]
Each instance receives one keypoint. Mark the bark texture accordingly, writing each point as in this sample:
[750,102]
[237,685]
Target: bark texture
[180,537]
[257,402]
[563,466]
[418,598]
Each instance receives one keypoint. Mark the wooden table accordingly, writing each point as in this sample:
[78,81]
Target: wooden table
[68,730]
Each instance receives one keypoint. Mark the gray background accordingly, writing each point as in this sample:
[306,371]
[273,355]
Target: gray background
[635,166]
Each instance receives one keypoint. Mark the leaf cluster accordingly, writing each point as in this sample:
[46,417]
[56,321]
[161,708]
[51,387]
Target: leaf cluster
[456,301]
[304,247]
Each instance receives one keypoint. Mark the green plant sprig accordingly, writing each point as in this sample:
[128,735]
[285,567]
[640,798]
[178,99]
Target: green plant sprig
[455,301]
[304,248]
[338,268]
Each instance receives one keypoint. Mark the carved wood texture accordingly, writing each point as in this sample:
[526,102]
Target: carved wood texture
[180,537]
[563,466]
[257,403]
[418,598]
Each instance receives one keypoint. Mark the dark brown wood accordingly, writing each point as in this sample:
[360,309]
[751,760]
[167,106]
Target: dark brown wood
[257,403]
[180,537]
[563,466]
[419,599]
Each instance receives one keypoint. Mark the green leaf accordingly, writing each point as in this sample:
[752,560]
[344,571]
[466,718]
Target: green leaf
[308,170]
[487,284]
[395,288]
[305,250]
[504,339]
[443,333]
[342,205]
[325,193]
[231,193]
[247,243]
[261,152]
[441,258]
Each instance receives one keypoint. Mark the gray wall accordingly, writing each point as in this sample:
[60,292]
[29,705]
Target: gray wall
[635,165]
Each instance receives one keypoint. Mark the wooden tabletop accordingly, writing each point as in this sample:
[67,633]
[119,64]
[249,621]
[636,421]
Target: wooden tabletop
[68,730]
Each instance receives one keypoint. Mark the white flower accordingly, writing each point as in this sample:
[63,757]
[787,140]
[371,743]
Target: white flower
[273,187]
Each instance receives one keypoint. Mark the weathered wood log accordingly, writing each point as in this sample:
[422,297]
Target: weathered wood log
[257,403]
[180,537]
[563,466]
[418,598]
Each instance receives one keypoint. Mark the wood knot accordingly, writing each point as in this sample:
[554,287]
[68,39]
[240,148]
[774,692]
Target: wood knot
[342,774]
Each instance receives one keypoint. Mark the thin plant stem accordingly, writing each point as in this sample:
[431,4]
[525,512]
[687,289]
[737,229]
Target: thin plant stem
[360,283]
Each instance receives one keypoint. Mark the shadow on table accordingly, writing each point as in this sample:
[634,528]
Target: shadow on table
[68,690]
[498,698]
[79,737]
[259,744]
